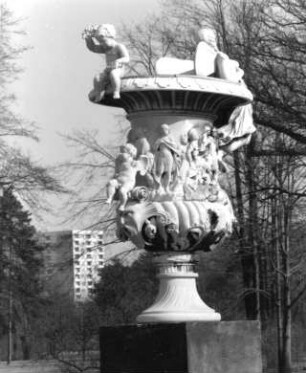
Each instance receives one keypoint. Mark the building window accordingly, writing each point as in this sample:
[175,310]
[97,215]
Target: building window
[89,263]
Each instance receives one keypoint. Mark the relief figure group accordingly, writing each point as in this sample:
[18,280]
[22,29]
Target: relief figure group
[182,170]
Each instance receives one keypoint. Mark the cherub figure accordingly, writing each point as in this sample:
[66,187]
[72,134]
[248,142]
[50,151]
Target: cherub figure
[192,149]
[124,180]
[209,155]
[226,68]
[167,159]
[101,39]
[144,154]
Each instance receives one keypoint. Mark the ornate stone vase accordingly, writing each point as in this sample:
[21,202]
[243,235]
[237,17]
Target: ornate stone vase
[166,181]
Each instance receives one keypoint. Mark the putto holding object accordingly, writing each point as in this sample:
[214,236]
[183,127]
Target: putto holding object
[102,39]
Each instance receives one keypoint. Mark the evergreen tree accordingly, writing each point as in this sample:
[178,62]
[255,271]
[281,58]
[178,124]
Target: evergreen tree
[21,259]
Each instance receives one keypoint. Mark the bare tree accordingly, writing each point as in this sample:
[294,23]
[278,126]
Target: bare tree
[17,170]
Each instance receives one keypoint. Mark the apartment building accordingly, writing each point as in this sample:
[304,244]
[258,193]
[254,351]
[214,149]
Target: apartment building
[72,260]
[88,259]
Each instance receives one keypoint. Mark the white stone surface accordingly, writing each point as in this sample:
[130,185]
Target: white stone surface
[172,66]
[178,299]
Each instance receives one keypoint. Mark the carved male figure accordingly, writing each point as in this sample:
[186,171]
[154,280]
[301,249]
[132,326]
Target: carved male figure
[167,159]
[101,39]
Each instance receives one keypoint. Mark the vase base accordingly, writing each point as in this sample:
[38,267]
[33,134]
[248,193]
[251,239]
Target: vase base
[175,317]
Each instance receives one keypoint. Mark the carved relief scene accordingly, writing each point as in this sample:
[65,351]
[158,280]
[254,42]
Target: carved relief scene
[183,121]
[167,192]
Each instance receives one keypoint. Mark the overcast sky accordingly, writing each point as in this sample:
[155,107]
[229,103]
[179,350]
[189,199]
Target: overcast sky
[58,71]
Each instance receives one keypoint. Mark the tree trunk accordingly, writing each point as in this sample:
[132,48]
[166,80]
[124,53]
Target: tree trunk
[246,257]
[286,360]
[25,346]
[279,300]
[253,228]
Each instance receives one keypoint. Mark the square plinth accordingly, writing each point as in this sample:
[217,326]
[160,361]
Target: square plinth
[199,347]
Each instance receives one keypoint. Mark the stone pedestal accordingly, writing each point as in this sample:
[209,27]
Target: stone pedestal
[214,347]
[178,299]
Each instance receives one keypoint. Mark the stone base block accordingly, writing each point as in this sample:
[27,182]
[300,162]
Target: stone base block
[199,347]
